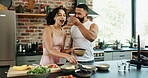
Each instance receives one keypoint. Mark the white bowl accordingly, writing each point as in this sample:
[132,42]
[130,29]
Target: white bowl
[103,66]
[90,67]
[68,69]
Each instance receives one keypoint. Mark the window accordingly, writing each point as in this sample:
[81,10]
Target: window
[142,20]
[114,20]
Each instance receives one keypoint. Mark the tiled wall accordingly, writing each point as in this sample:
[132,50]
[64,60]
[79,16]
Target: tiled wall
[30,28]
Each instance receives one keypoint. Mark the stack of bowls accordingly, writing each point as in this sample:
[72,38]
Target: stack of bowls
[90,67]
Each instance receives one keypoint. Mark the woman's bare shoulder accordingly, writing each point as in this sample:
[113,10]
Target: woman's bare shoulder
[48,28]
[64,31]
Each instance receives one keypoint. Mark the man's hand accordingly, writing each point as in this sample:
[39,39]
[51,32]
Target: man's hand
[75,21]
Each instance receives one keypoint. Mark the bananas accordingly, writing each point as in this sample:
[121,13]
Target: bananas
[22,68]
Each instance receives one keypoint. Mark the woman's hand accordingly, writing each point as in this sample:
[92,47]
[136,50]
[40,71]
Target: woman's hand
[71,58]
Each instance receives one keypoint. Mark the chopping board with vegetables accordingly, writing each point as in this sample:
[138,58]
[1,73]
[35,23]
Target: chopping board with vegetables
[22,70]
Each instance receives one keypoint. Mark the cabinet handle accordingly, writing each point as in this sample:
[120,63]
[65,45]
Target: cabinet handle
[122,55]
[31,61]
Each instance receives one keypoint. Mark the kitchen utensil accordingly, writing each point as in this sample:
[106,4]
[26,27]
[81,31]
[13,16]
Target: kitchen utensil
[103,66]
[83,73]
[6,3]
[68,68]
[90,67]
[121,66]
[79,51]
[45,75]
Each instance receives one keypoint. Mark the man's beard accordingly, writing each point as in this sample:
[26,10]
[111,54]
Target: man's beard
[81,19]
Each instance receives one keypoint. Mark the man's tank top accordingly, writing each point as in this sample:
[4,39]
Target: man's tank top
[80,41]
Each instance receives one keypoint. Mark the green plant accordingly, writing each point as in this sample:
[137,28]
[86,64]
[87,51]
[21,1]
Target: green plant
[131,42]
[117,42]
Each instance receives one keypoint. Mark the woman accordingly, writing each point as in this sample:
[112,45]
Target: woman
[54,38]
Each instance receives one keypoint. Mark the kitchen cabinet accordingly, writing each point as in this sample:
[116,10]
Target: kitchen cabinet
[29,60]
[107,56]
[121,55]
[117,55]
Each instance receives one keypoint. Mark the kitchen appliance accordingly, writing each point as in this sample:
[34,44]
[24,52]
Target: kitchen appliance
[92,14]
[6,3]
[7,37]
[99,56]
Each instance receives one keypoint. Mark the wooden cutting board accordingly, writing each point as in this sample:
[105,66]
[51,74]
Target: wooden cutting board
[14,73]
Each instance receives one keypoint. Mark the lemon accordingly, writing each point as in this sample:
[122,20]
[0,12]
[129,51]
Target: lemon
[20,68]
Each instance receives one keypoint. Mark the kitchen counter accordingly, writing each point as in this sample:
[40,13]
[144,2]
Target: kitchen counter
[111,73]
[122,49]
[29,54]
[98,50]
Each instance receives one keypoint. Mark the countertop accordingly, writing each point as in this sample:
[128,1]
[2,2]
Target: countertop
[122,49]
[98,50]
[111,73]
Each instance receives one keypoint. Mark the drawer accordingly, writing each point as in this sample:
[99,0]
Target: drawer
[107,56]
[99,59]
[28,62]
[120,58]
[121,55]
[26,58]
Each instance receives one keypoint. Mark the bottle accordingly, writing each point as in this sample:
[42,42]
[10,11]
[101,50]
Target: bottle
[19,9]
[48,9]
[20,48]
[42,9]
[23,49]
[36,47]
[96,45]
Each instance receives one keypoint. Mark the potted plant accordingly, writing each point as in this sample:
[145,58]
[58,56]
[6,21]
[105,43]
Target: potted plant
[131,42]
[117,44]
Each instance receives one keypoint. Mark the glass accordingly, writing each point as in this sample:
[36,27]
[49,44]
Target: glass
[127,65]
[121,66]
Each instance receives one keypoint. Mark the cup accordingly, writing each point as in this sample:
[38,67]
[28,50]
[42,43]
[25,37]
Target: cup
[69,20]
[121,66]
[127,65]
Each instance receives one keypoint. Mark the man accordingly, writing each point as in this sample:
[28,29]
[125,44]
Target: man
[83,33]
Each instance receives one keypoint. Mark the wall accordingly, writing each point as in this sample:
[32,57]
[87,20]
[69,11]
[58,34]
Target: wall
[30,28]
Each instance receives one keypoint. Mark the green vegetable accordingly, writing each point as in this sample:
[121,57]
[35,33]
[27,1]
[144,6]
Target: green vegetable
[39,70]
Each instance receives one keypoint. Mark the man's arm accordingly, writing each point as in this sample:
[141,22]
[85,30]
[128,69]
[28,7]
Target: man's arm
[89,34]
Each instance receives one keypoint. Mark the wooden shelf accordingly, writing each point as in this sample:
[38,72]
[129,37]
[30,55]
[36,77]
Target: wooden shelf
[27,14]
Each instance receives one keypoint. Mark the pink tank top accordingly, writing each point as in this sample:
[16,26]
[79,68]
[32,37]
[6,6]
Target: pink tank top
[58,41]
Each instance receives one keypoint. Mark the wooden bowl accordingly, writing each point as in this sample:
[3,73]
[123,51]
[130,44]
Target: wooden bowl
[79,51]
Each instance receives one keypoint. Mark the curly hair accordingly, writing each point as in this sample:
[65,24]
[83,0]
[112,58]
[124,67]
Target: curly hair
[50,17]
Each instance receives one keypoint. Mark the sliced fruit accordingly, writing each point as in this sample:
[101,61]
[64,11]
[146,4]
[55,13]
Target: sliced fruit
[21,68]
